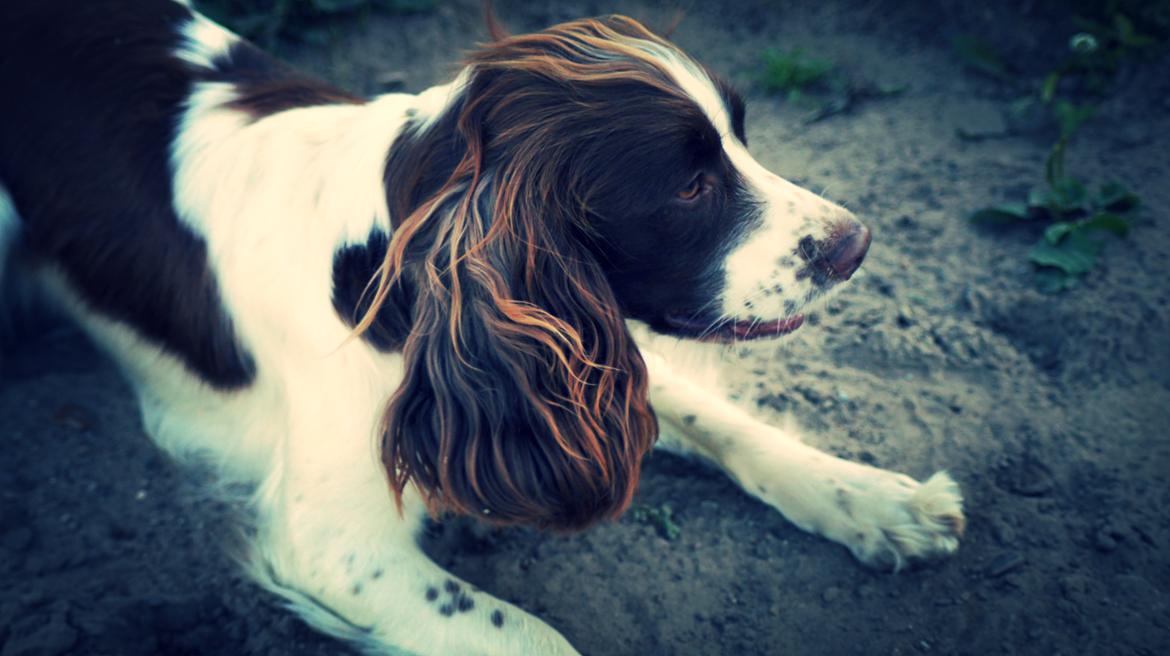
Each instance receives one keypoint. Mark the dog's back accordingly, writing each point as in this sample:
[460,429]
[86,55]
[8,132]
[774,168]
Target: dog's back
[94,95]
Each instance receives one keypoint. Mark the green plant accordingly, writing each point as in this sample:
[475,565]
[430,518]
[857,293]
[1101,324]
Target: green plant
[1070,246]
[793,72]
[817,84]
[266,21]
[660,517]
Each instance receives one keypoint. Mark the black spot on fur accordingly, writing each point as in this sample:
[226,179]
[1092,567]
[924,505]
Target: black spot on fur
[446,610]
[451,586]
[376,575]
[353,268]
[689,420]
[464,603]
[498,619]
[432,594]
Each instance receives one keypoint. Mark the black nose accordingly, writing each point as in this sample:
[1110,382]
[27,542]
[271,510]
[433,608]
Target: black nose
[838,257]
[846,254]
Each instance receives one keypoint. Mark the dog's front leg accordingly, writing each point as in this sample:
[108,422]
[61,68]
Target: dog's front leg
[331,541]
[885,518]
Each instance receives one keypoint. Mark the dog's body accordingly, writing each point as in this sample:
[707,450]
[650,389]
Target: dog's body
[214,221]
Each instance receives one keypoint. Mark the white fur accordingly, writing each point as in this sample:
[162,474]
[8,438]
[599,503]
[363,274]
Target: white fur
[884,518]
[274,199]
[761,272]
[204,41]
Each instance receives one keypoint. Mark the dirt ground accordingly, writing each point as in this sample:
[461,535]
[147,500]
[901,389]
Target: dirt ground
[1050,411]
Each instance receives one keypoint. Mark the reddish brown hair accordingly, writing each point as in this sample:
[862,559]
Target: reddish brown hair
[524,398]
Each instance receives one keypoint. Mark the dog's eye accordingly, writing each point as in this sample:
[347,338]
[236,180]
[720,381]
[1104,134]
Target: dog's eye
[693,190]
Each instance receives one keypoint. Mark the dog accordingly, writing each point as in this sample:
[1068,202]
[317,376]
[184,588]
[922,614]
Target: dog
[375,310]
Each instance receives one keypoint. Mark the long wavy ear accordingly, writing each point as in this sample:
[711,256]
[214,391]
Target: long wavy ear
[524,398]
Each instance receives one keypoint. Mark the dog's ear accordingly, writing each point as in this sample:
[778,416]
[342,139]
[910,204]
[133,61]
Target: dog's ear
[524,399]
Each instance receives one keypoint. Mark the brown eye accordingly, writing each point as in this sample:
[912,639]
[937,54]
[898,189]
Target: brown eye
[692,190]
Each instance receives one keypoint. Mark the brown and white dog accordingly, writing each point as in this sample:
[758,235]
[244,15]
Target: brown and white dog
[375,308]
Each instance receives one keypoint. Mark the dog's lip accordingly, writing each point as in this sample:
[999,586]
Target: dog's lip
[734,329]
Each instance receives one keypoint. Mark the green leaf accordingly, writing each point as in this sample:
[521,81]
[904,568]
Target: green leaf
[1115,197]
[1075,254]
[1040,199]
[1054,281]
[1048,89]
[1057,231]
[793,71]
[1002,214]
[1107,221]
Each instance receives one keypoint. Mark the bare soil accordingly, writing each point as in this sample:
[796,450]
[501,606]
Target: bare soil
[1051,411]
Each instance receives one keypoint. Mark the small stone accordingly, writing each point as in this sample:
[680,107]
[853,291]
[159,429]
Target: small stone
[1004,563]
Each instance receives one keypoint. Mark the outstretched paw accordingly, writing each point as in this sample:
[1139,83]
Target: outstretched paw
[892,520]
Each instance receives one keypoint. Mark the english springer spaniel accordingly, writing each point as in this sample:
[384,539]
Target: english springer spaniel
[378,309]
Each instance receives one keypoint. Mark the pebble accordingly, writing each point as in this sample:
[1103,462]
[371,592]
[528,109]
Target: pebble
[1004,563]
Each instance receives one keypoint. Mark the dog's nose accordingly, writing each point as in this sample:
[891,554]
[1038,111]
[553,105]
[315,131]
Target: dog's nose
[845,255]
[838,257]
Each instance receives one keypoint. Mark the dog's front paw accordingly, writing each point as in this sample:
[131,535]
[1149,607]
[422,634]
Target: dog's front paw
[888,520]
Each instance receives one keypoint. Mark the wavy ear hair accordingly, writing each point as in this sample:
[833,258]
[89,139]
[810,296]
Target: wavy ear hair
[524,398]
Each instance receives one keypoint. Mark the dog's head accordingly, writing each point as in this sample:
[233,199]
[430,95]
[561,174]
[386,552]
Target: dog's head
[578,177]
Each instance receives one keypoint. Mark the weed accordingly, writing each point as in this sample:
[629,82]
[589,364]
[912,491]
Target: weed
[817,84]
[793,72]
[660,517]
[267,21]
[1069,247]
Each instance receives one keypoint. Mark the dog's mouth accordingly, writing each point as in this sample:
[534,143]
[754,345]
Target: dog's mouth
[732,330]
